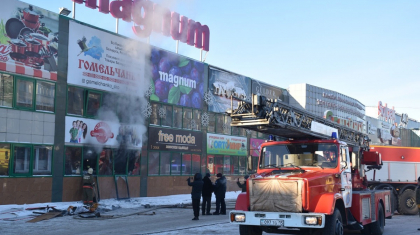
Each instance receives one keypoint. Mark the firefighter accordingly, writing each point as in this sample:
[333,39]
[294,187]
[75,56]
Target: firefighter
[88,184]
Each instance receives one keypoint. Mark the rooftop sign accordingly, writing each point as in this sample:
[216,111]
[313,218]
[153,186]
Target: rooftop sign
[148,16]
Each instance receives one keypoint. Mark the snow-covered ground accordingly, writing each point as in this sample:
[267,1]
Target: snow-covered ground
[20,210]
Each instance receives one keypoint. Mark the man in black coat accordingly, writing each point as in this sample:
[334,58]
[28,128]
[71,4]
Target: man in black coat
[197,187]
[220,191]
[207,191]
[242,186]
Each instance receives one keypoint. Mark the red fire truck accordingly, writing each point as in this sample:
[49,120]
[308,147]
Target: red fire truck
[313,181]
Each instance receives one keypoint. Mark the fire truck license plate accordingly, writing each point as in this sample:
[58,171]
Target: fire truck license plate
[272,222]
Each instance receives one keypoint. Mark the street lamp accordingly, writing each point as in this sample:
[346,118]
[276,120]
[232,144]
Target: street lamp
[64,11]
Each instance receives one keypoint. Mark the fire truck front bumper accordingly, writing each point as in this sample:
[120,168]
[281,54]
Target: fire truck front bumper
[278,219]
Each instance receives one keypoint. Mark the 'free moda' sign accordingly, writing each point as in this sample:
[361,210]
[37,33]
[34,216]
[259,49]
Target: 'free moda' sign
[229,145]
[175,140]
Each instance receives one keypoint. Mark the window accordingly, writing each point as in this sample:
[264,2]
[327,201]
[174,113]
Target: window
[153,163]
[204,169]
[75,100]
[4,159]
[45,93]
[154,118]
[212,123]
[24,93]
[186,164]
[197,120]
[187,118]
[226,165]
[219,124]
[196,164]
[90,158]
[73,161]
[42,160]
[226,129]
[177,117]
[6,90]
[93,103]
[167,121]
[176,166]
[106,162]
[234,165]
[242,165]
[120,162]
[22,156]
[235,130]
[218,164]
[165,163]
[134,162]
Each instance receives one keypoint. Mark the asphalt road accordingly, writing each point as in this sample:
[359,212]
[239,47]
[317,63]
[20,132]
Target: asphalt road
[164,221]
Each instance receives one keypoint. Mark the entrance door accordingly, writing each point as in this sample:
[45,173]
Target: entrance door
[346,176]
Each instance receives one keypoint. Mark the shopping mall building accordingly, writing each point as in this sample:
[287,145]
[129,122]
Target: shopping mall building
[73,97]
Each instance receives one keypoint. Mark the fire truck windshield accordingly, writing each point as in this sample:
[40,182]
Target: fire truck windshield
[303,155]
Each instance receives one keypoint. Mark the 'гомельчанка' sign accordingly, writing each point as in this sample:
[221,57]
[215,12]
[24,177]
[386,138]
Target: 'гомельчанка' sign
[175,140]
[156,18]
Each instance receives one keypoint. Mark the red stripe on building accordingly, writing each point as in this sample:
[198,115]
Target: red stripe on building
[20,69]
[2,66]
[37,73]
[53,76]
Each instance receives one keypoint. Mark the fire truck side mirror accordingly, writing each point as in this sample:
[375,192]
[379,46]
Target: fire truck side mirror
[343,165]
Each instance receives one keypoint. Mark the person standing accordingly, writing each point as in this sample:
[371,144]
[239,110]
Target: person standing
[242,186]
[220,191]
[88,184]
[207,191]
[197,187]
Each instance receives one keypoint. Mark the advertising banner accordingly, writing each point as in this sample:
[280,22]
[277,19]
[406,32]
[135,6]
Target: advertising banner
[177,79]
[97,132]
[255,147]
[28,40]
[226,145]
[104,61]
[175,140]
[223,85]
[383,133]
[269,91]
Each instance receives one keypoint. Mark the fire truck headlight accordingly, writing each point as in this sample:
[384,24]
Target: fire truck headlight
[237,217]
[313,220]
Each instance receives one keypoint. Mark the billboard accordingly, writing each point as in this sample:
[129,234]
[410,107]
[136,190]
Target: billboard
[269,91]
[223,85]
[254,149]
[165,139]
[226,145]
[104,61]
[383,133]
[176,79]
[98,132]
[28,40]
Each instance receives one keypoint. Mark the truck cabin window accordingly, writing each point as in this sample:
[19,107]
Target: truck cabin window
[301,155]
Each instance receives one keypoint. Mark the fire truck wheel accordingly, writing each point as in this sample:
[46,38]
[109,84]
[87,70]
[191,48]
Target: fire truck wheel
[407,202]
[377,228]
[334,224]
[249,230]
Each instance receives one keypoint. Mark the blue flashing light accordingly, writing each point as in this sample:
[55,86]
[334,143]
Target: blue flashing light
[334,135]
[270,138]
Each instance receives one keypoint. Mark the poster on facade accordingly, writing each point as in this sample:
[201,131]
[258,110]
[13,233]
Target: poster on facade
[255,145]
[28,40]
[104,61]
[269,91]
[165,139]
[90,131]
[223,85]
[226,145]
[382,132]
[177,79]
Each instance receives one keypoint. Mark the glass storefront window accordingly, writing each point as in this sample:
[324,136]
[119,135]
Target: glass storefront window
[73,161]
[176,167]
[42,160]
[195,164]
[204,169]
[197,120]
[4,159]
[165,163]
[24,93]
[226,165]
[22,157]
[242,165]
[106,162]
[219,124]
[235,130]
[254,164]
[234,165]
[154,118]
[187,118]
[167,121]
[45,92]
[120,162]
[226,123]
[212,123]
[242,132]
[210,164]
[93,103]
[186,164]
[134,162]
[177,117]
[75,100]
[218,164]
[153,163]
[6,90]
[253,134]
[90,158]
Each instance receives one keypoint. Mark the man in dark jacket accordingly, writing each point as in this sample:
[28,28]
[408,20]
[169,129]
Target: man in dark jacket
[197,187]
[220,191]
[207,191]
[242,186]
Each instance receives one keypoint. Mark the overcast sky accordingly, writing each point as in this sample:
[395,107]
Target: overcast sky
[368,50]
